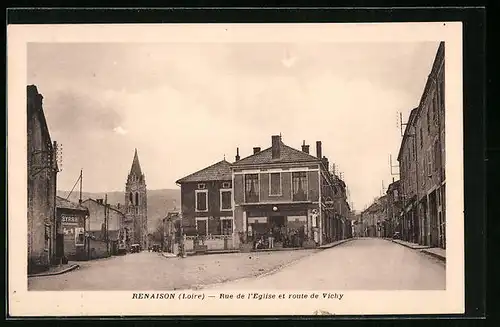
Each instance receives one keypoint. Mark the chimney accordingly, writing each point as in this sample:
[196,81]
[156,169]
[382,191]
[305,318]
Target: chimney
[237,157]
[276,151]
[319,154]
[118,205]
[326,163]
[256,150]
[393,179]
[305,148]
[99,201]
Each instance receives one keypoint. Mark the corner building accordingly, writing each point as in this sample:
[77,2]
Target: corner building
[278,191]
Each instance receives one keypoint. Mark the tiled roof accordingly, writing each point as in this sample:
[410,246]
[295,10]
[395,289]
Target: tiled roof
[66,204]
[220,171]
[287,154]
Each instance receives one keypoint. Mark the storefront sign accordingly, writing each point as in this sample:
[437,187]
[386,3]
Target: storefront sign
[297,218]
[253,220]
[70,220]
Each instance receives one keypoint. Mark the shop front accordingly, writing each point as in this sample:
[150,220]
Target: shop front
[278,226]
[70,223]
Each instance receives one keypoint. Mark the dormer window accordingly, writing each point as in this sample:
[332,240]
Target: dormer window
[202,186]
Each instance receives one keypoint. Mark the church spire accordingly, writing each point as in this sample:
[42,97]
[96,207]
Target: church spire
[136,167]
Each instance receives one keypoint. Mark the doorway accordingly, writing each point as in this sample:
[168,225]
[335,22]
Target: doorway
[59,245]
[276,221]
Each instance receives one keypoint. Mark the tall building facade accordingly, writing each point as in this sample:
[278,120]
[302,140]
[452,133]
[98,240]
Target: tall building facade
[41,187]
[422,163]
[135,225]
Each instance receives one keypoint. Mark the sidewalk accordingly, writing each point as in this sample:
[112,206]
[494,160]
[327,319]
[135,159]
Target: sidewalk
[56,270]
[438,253]
[410,245]
[331,245]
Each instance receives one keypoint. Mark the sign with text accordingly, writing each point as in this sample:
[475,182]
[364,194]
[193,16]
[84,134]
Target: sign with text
[70,220]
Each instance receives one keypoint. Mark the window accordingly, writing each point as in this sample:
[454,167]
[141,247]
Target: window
[136,199]
[429,162]
[131,199]
[226,185]
[299,183]
[437,155]
[202,225]
[226,225]
[214,226]
[79,237]
[201,200]
[202,186]
[226,202]
[251,188]
[275,184]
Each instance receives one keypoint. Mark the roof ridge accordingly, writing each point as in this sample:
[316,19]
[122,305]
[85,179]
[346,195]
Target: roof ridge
[270,148]
[203,169]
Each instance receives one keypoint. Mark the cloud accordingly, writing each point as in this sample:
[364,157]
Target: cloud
[119,130]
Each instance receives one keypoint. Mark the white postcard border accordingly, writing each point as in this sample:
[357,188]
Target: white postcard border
[22,302]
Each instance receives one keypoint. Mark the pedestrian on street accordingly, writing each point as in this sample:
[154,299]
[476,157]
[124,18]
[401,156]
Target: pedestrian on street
[271,239]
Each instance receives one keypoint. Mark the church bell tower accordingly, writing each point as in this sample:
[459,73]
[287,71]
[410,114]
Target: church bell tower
[136,204]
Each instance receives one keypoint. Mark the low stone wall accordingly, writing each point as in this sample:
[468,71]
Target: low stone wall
[98,249]
[213,243]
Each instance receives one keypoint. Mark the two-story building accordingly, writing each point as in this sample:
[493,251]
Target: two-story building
[285,194]
[207,206]
[41,187]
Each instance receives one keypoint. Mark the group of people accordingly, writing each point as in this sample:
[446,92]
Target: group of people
[287,237]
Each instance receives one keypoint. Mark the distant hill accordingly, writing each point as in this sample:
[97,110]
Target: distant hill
[159,202]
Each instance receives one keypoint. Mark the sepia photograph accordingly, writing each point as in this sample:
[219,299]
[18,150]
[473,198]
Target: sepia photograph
[237,163]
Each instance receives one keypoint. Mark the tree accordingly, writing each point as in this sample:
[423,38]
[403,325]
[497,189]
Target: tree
[158,233]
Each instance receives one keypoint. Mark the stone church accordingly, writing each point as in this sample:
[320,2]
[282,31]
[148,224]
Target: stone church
[135,226]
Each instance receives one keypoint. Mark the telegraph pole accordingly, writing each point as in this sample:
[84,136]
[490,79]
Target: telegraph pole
[81,180]
[106,219]
[391,166]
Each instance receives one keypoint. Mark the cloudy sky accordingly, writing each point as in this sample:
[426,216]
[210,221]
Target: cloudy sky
[185,106]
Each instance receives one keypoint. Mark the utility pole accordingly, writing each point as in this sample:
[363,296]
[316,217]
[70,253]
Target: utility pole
[391,166]
[81,181]
[106,219]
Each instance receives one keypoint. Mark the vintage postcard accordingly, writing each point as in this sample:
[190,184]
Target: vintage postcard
[235,169]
